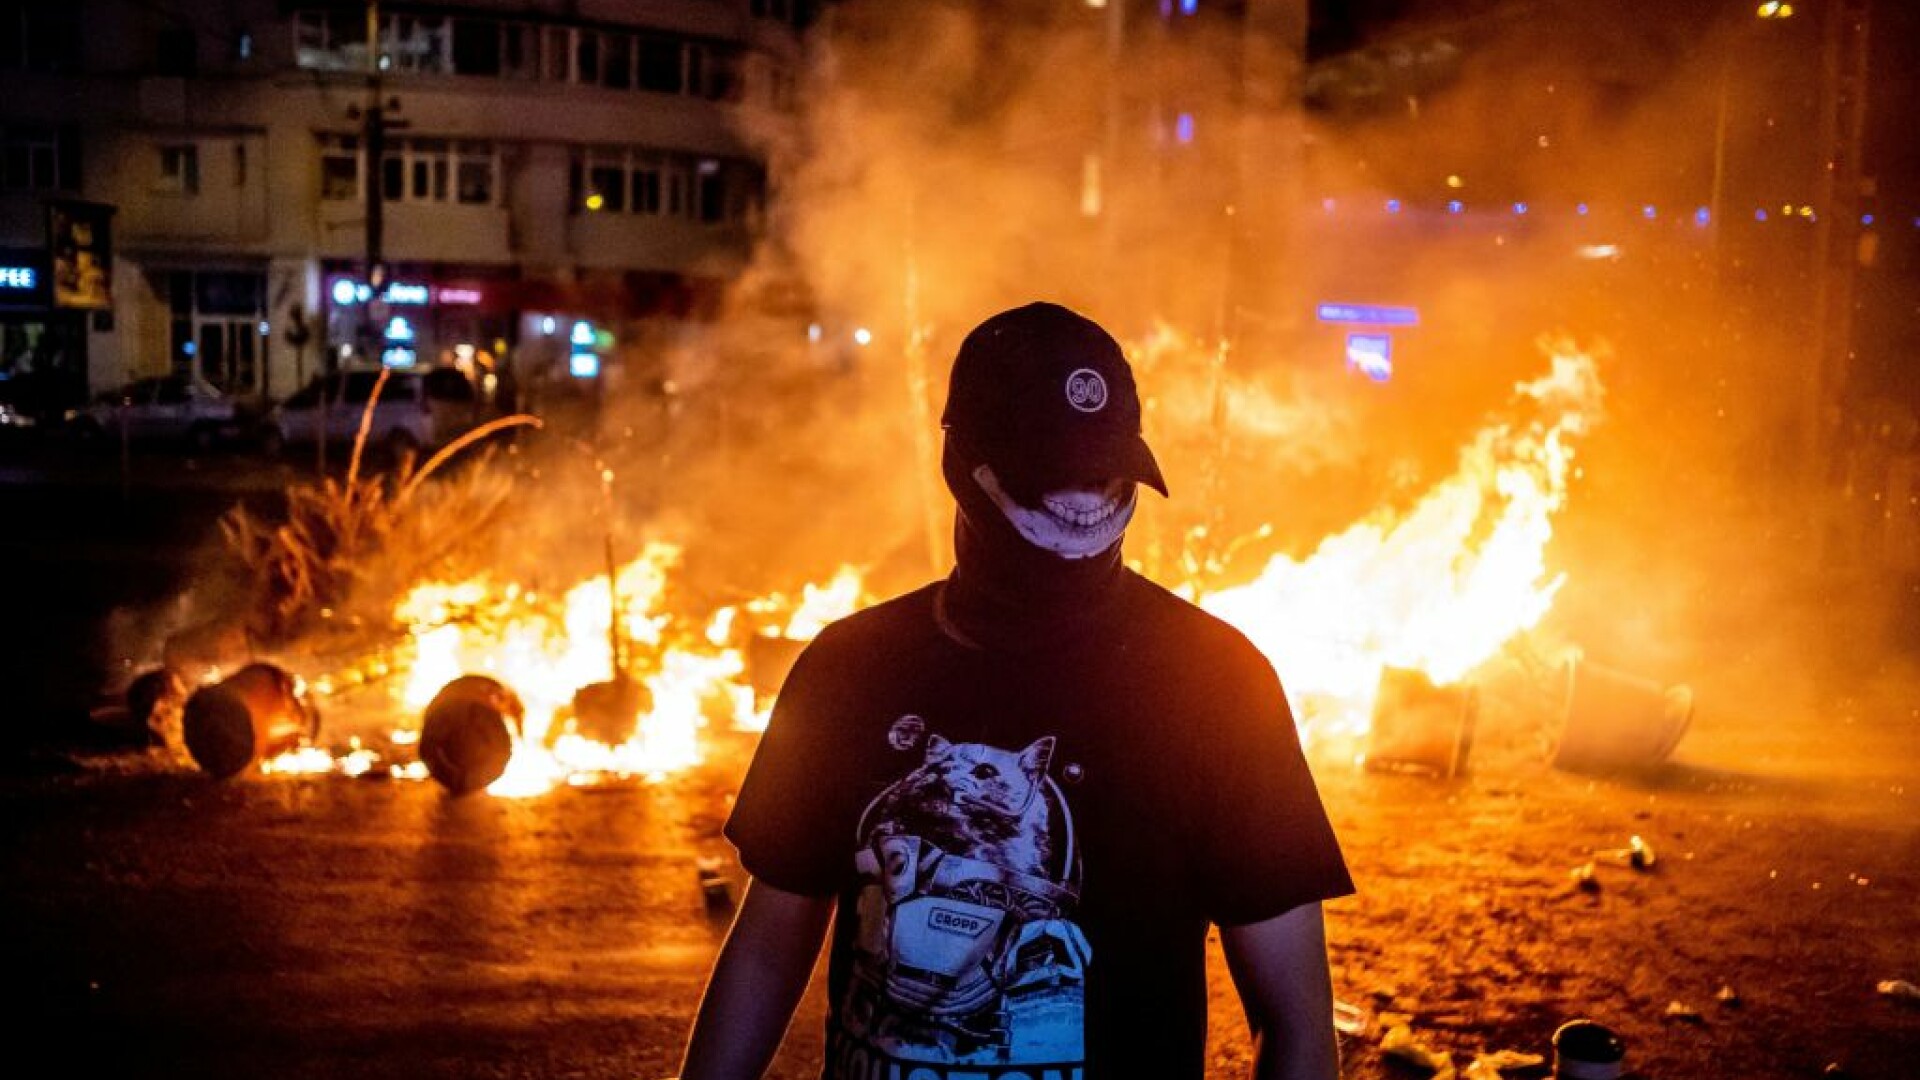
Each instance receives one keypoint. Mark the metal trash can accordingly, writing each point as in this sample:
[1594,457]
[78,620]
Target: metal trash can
[1617,721]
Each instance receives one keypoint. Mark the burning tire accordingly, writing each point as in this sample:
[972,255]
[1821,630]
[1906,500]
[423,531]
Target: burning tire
[466,738]
[255,714]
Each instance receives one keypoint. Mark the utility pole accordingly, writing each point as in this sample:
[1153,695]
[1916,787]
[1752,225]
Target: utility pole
[375,122]
[376,141]
[1842,132]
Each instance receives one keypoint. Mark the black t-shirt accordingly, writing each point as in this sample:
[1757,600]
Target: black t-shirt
[1027,847]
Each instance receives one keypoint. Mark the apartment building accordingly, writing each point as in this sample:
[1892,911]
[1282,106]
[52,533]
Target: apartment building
[188,186]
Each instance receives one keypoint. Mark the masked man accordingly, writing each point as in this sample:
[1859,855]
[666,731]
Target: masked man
[1023,794]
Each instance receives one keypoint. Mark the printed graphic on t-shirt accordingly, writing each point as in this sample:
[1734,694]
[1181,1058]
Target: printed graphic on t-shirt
[966,960]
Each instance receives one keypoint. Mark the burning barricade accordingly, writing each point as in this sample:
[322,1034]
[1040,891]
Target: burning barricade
[1380,635]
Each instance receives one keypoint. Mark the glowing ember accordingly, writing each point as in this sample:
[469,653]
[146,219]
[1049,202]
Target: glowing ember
[1440,588]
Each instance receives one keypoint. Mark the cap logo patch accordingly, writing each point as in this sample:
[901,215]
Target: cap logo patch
[1087,390]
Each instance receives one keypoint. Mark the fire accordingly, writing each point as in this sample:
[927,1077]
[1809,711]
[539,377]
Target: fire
[549,652]
[1439,588]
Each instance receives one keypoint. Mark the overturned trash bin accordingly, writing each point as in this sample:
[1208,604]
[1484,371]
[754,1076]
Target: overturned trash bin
[254,714]
[1420,727]
[466,738]
[1616,721]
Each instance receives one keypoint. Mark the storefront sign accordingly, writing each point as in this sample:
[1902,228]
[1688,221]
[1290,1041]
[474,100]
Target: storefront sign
[347,292]
[1371,355]
[80,239]
[1368,314]
[23,278]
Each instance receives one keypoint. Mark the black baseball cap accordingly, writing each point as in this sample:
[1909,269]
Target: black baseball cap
[1047,398]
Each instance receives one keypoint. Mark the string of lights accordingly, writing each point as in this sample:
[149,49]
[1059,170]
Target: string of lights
[1699,216]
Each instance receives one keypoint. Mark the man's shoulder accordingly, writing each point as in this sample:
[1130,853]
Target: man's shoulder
[1178,624]
[1170,612]
[884,621]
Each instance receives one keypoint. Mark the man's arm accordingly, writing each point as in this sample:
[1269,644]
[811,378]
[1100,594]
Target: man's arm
[1279,966]
[757,980]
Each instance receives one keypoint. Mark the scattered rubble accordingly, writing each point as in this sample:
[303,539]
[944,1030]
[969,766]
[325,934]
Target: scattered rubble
[1491,1066]
[1683,1012]
[1349,1019]
[1398,1042]
[1899,990]
[1583,878]
[1588,1050]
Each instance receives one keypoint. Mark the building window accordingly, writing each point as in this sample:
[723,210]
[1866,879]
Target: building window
[179,169]
[475,168]
[586,57]
[339,167]
[38,158]
[335,40]
[519,50]
[418,170]
[660,66]
[330,40]
[616,61]
[556,58]
[636,180]
[416,43]
[476,47]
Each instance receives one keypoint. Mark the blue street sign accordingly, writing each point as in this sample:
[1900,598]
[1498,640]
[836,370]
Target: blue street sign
[1368,314]
[1371,355]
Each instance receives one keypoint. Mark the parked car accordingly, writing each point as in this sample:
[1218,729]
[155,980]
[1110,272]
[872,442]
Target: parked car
[416,410]
[172,408]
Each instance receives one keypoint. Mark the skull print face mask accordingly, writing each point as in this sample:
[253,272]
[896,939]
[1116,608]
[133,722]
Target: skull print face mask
[1073,523]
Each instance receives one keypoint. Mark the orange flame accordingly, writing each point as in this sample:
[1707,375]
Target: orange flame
[1440,588]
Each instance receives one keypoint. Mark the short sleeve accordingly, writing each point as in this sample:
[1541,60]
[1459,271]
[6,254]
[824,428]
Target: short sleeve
[1264,844]
[789,822]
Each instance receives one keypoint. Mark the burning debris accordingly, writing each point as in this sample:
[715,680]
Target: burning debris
[1419,727]
[254,715]
[466,737]
[1378,634]
[1439,588]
